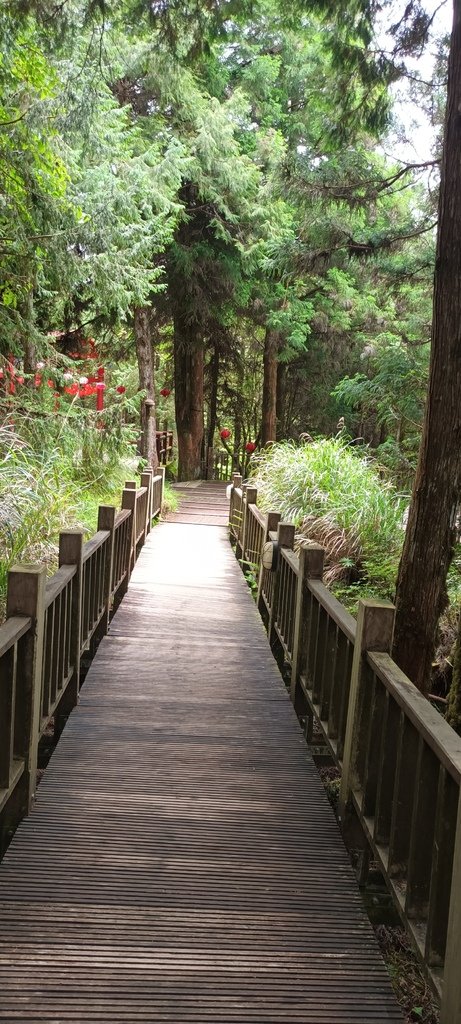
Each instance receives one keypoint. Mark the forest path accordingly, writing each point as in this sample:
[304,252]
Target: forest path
[182,862]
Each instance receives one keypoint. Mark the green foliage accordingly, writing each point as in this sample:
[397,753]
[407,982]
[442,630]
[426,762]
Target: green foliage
[337,497]
[55,469]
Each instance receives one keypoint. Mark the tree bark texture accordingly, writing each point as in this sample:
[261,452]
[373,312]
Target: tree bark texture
[269,404]
[281,400]
[214,381]
[428,546]
[188,375]
[145,356]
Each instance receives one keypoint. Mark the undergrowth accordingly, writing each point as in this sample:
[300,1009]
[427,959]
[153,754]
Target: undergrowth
[54,472]
[337,497]
[408,981]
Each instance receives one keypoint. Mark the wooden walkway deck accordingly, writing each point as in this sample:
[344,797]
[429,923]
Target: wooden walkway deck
[182,862]
[202,503]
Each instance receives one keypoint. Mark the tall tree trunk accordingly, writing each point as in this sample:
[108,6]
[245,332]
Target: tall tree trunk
[145,356]
[188,376]
[428,547]
[269,409]
[281,400]
[214,381]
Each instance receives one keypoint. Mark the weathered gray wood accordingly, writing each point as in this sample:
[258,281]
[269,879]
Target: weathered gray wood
[147,477]
[160,472]
[442,869]
[7,704]
[285,539]
[422,833]
[451,999]
[375,624]
[106,521]
[271,522]
[436,732]
[26,596]
[183,863]
[311,560]
[129,502]
[250,496]
[71,553]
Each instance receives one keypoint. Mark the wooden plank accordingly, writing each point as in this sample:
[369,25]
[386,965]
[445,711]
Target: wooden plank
[182,863]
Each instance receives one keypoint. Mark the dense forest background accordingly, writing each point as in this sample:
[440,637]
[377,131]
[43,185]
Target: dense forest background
[210,200]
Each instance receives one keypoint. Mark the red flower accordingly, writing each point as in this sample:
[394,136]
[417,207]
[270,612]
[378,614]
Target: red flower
[250,447]
[165,392]
[72,390]
[121,389]
[20,380]
[50,383]
[225,433]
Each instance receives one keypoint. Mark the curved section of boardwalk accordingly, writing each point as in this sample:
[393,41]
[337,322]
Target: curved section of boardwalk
[182,863]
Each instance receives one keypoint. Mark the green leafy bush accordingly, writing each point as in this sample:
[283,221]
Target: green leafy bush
[337,497]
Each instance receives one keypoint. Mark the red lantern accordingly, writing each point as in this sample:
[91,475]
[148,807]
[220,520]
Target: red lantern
[250,447]
[225,434]
[165,392]
[121,389]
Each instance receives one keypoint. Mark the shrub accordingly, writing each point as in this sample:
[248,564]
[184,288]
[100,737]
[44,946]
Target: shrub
[337,497]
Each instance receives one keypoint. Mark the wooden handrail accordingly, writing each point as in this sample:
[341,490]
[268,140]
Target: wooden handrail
[12,630]
[51,624]
[58,583]
[94,543]
[400,761]
[436,732]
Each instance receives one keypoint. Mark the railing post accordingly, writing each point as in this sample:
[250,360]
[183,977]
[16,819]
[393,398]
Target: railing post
[451,993]
[236,482]
[272,522]
[129,502]
[311,559]
[26,596]
[250,497]
[70,553]
[146,481]
[161,472]
[285,539]
[375,626]
[106,521]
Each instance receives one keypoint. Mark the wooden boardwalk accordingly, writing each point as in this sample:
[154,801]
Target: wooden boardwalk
[182,863]
[202,503]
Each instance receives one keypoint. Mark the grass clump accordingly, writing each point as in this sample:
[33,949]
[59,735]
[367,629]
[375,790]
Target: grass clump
[54,473]
[337,497]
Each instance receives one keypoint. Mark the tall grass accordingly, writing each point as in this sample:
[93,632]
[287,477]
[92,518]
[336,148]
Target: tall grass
[336,496]
[54,472]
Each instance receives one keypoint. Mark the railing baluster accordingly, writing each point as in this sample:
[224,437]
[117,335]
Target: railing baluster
[442,871]
[7,705]
[26,596]
[403,800]
[328,673]
[375,624]
[422,828]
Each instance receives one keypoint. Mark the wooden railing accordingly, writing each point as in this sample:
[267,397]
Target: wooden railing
[400,762]
[164,443]
[50,625]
